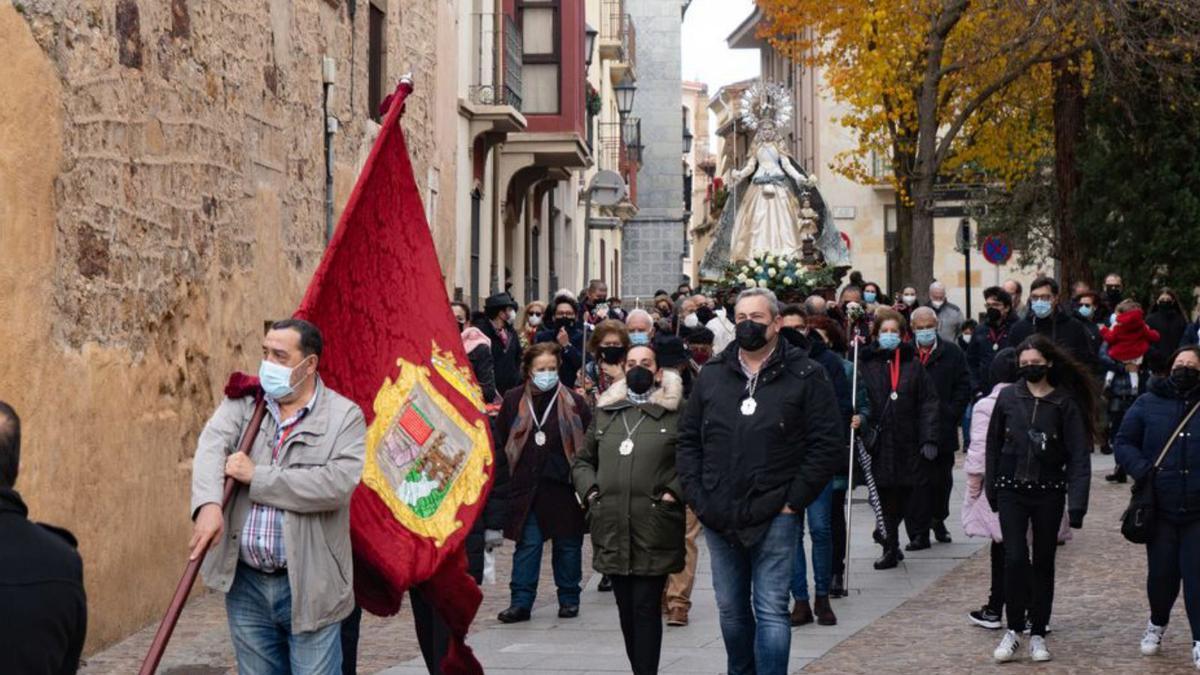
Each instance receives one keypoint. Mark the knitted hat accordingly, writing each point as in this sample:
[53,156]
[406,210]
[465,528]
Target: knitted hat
[1129,338]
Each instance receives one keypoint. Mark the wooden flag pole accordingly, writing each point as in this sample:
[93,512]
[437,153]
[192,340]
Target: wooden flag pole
[167,626]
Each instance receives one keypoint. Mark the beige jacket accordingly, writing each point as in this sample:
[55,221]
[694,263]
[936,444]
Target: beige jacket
[320,466]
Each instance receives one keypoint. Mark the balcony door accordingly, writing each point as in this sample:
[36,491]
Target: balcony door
[541,58]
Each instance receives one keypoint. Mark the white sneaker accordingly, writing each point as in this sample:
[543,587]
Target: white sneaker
[1196,654]
[1152,639]
[1037,649]
[1007,650]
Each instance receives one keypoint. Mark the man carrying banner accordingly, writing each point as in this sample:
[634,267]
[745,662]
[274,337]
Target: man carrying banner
[281,550]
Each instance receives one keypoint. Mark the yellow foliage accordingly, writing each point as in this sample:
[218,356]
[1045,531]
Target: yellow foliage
[992,87]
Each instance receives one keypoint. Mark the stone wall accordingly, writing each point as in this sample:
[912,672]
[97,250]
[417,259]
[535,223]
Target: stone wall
[162,196]
[654,239]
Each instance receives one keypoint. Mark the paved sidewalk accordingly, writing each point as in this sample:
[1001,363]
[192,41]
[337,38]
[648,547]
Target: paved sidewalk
[592,643]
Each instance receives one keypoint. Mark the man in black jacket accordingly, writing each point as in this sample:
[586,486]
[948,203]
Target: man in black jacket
[44,620]
[756,445]
[990,337]
[947,366]
[498,310]
[1045,317]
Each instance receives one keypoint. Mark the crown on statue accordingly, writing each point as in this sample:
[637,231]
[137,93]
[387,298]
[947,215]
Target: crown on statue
[766,104]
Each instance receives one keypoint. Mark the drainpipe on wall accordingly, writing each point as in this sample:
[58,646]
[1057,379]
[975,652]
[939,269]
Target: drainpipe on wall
[328,77]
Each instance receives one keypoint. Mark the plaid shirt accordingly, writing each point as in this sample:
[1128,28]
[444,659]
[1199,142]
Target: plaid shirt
[262,536]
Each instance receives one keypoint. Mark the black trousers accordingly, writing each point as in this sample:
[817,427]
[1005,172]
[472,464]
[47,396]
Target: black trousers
[893,501]
[639,604]
[1173,556]
[930,502]
[1029,590]
[432,635]
[996,592]
[838,523]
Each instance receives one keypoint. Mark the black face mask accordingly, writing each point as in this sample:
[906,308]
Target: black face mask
[1113,293]
[994,316]
[639,379]
[1166,306]
[1184,379]
[751,335]
[612,355]
[705,315]
[1033,374]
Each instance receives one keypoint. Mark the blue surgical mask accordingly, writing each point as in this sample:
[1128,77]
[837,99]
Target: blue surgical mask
[869,297]
[639,338]
[276,380]
[889,341]
[1086,311]
[926,336]
[545,380]
[1041,308]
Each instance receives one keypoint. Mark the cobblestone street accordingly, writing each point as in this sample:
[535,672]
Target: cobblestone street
[201,646]
[1099,614]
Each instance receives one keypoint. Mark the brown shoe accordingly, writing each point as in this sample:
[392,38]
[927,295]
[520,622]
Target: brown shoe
[677,616]
[825,615]
[801,614]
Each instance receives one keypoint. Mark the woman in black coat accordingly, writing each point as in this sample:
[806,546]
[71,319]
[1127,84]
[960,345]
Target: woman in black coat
[901,431]
[1173,553]
[1039,448]
[540,427]
[1168,318]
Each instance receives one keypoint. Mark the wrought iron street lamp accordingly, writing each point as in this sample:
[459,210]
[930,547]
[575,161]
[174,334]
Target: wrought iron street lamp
[589,44]
[624,91]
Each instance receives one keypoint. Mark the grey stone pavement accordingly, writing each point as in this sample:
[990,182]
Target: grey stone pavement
[592,643]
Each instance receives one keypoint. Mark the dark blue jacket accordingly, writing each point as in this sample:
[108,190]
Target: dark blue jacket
[1147,427]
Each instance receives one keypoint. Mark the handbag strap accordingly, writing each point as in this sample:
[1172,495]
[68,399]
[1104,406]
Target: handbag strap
[1178,430]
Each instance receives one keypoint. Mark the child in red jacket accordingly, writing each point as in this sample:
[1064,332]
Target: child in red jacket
[1128,341]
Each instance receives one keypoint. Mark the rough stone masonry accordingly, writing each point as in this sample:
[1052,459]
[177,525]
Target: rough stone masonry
[162,187]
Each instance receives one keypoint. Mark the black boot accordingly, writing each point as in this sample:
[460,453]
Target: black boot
[941,533]
[514,615]
[605,584]
[837,586]
[918,543]
[1117,476]
[889,559]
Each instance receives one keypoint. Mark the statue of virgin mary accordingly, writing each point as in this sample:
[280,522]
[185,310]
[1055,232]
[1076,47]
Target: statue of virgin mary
[774,206]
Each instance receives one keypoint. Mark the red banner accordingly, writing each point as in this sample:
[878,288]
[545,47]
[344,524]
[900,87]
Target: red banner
[392,345]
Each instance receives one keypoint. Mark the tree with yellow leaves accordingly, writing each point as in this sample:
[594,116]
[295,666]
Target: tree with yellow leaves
[944,87]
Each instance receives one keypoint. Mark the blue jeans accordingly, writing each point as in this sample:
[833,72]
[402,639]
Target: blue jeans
[259,607]
[820,515]
[758,640]
[566,559]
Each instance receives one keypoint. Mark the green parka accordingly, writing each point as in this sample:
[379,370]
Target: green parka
[634,532]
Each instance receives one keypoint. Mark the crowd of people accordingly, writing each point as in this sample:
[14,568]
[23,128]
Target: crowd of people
[644,427]
[694,413]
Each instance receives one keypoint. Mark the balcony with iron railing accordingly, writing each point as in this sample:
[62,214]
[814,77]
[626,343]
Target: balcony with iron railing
[618,38]
[618,149]
[496,61]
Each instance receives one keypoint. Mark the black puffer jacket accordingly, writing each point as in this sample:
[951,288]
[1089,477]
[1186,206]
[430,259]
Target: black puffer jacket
[1013,455]
[44,618]
[739,471]
[1064,330]
[901,426]
[947,366]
